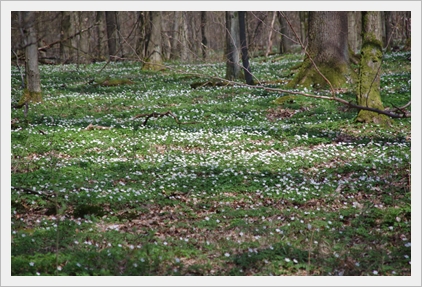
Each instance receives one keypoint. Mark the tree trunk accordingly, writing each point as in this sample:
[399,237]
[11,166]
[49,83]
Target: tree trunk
[101,44]
[112,34]
[370,69]
[289,43]
[153,53]
[244,46]
[83,51]
[354,31]
[32,92]
[232,46]
[184,46]
[328,49]
[68,47]
[175,38]
[204,41]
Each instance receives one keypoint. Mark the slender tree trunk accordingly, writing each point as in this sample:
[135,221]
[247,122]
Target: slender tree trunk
[328,49]
[232,46]
[184,47]
[102,44]
[304,20]
[244,46]
[289,42]
[112,34]
[32,92]
[68,48]
[153,53]
[204,41]
[370,69]
[175,38]
[83,51]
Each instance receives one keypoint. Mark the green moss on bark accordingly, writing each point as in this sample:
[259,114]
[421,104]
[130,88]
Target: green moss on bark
[308,76]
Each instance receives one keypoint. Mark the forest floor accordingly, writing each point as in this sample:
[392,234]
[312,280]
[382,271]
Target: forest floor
[219,181]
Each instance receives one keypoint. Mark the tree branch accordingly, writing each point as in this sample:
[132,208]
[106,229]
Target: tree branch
[160,115]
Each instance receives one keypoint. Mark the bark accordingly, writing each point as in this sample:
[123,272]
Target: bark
[83,39]
[153,60]
[101,51]
[204,41]
[68,45]
[327,50]
[368,94]
[184,47]
[244,48]
[113,35]
[289,43]
[355,30]
[175,41]
[32,92]
[232,46]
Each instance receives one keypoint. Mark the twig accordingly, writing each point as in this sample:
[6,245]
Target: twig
[30,191]
[160,115]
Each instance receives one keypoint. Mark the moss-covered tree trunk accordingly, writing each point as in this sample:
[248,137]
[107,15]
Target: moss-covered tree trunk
[32,92]
[368,93]
[154,59]
[328,48]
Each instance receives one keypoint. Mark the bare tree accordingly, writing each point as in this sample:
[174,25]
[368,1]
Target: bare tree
[153,59]
[113,34]
[244,48]
[232,46]
[32,91]
[204,41]
[101,50]
[289,43]
[68,43]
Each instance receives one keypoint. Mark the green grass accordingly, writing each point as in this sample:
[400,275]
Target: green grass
[246,188]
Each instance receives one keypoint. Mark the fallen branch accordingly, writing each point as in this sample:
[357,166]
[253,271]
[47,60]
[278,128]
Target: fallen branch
[160,115]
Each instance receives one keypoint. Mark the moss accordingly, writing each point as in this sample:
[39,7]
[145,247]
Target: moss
[27,97]
[308,76]
[114,82]
[153,66]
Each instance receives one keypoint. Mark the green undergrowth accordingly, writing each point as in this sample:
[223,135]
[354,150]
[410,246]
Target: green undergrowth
[229,183]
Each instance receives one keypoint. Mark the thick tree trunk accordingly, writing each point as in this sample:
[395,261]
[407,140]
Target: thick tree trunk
[289,43]
[355,30]
[244,48]
[328,49]
[204,41]
[153,53]
[232,46]
[32,92]
[368,94]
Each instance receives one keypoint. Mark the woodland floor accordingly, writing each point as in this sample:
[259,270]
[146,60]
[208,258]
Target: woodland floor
[228,183]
